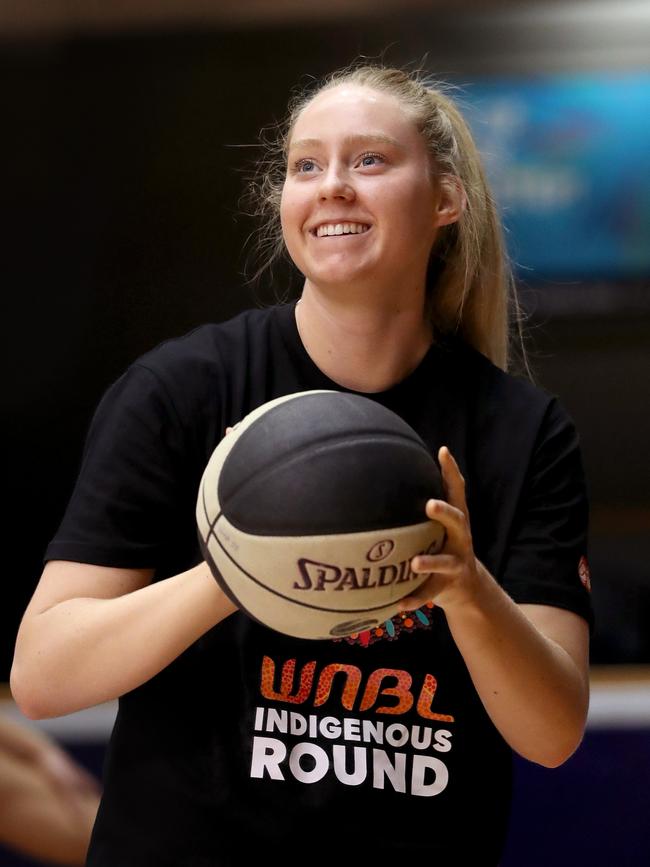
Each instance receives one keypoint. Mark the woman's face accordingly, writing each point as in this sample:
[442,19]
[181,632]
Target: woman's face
[359,206]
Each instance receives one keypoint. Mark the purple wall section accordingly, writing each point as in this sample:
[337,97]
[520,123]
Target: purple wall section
[591,811]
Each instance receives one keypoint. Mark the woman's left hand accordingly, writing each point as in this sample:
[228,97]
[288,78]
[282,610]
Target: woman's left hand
[456,574]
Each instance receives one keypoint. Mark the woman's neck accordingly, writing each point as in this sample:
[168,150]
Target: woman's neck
[361,345]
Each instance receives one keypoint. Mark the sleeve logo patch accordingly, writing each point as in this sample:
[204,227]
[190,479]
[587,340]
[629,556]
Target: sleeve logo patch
[584,573]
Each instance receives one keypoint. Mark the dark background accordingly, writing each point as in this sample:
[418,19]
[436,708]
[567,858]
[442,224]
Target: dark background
[126,145]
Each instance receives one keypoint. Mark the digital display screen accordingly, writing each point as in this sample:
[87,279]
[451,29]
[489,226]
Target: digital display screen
[568,158]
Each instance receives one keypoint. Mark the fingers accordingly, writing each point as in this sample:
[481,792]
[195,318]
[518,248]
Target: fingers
[453,514]
[450,572]
[453,480]
[434,567]
[442,564]
[453,519]
[424,595]
[410,603]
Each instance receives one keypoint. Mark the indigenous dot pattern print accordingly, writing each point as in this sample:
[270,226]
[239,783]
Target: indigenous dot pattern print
[404,622]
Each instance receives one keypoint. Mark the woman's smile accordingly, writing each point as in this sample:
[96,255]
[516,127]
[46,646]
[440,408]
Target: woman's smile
[334,230]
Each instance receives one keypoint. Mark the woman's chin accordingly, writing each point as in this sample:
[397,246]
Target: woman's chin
[334,277]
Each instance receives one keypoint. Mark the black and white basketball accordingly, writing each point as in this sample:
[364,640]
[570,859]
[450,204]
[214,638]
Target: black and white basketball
[310,511]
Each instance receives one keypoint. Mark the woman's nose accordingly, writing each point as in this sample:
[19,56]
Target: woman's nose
[335,184]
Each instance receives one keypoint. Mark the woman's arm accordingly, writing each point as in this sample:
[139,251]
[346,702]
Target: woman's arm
[93,633]
[529,663]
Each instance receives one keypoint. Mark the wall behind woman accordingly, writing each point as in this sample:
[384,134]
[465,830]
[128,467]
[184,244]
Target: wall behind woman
[125,169]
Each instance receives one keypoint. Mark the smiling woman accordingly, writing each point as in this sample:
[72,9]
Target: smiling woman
[375,190]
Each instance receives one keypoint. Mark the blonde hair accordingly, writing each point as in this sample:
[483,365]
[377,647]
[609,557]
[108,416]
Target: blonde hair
[470,288]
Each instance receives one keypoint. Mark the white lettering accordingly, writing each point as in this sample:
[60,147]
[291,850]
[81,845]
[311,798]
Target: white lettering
[297,723]
[423,740]
[442,744]
[420,765]
[309,763]
[382,767]
[321,763]
[360,771]
[276,720]
[373,731]
[397,735]
[268,753]
[259,719]
[351,729]
[330,727]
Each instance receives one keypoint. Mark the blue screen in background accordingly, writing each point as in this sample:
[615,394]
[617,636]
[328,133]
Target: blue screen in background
[568,158]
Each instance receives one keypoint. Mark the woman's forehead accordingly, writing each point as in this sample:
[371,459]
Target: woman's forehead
[348,108]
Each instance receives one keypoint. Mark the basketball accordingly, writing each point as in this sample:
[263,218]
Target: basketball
[310,511]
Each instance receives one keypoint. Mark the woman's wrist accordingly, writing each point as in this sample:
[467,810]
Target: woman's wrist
[218,601]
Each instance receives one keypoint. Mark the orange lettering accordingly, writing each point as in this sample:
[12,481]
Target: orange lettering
[350,690]
[426,697]
[286,681]
[401,690]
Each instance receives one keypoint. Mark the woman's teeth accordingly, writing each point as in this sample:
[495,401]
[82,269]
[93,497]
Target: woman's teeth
[341,229]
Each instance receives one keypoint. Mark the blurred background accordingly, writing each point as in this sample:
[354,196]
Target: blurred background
[129,128]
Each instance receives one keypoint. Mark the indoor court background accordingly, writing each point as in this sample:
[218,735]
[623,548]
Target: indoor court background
[127,128]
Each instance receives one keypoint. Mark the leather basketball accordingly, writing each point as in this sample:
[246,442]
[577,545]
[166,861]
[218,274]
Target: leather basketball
[310,511]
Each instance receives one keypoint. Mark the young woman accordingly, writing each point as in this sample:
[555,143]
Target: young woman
[234,742]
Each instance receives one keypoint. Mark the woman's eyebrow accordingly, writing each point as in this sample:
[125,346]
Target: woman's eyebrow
[377,138]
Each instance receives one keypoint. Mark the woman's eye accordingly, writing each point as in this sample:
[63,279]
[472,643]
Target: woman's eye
[371,159]
[303,166]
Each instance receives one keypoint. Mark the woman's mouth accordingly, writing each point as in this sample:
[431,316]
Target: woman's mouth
[331,229]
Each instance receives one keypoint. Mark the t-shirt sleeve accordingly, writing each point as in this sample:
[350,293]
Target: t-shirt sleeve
[546,562]
[125,502]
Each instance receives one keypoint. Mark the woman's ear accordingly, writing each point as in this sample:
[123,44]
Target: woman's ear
[452,200]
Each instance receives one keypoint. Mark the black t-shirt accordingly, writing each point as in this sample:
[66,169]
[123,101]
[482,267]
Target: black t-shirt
[252,744]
